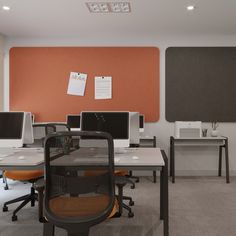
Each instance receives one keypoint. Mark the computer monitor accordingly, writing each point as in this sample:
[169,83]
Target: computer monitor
[73,121]
[134,128]
[32,118]
[15,129]
[141,123]
[115,123]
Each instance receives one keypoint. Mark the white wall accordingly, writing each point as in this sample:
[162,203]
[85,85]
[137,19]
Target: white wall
[1,70]
[191,160]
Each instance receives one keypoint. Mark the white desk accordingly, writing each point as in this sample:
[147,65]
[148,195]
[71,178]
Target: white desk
[22,159]
[148,159]
[221,142]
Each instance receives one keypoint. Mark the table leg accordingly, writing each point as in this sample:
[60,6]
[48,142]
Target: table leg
[161,193]
[172,159]
[165,195]
[154,176]
[220,161]
[227,160]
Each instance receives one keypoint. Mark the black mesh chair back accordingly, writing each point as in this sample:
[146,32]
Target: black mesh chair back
[42,130]
[80,190]
[60,126]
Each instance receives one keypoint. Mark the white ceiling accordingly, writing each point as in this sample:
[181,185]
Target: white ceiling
[71,18]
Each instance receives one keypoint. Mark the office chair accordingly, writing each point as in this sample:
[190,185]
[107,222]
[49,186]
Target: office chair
[28,175]
[48,128]
[120,182]
[74,201]
[4,180]
[22,175]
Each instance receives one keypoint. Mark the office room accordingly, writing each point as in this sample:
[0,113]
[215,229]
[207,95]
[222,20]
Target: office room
[170,64]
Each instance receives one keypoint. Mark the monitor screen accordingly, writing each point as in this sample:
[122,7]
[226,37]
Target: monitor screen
[11,125]
[32,118]
[141,123]
[115,123]
[73,121]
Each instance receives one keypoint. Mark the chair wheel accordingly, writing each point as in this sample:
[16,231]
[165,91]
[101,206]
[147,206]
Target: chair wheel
[6,188]
[131,203]
[131,214]
[14,218]
[42,220]
[132,187]
[5,208]
[117,215]
[137,181]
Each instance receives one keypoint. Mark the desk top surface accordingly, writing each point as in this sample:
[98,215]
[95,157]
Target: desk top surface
[123,157]
[26,158]
[201,138]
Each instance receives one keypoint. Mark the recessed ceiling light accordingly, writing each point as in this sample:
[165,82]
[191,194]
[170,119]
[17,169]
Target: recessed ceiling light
[109,7]
[6,8]
[190,8]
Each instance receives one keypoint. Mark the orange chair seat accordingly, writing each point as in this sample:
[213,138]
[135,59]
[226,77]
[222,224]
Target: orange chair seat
[23,174]
[80,206]
[121,172]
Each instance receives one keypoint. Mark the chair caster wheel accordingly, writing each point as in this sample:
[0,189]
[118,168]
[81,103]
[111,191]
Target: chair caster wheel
[6,188]
[132,187]
[131,203]
[116,215]
[137,181]
[5,209]
[42,220]
[14,218]
[131,214]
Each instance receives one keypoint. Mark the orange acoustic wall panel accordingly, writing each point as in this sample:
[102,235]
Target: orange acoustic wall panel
[39,79]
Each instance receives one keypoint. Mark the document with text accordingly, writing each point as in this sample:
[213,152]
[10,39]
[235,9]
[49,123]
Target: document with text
[77,83]
[103,87]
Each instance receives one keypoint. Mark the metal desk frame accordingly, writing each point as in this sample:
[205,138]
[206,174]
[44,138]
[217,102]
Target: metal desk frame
[221,142]
[149,142]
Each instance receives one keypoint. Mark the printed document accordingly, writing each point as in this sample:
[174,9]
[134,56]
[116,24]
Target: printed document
[103,87]
[77,83]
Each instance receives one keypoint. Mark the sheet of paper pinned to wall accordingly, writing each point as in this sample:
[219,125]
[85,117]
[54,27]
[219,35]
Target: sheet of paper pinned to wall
[77,83]
[103,87]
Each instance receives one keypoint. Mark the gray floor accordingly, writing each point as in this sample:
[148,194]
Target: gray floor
[201,206]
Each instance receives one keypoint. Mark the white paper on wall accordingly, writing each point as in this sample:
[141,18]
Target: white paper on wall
[103,87]
[77,84]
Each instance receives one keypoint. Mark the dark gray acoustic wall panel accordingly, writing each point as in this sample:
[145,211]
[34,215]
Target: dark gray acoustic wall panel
[201,84]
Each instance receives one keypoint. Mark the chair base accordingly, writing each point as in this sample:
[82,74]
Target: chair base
[135,178]
[122,205]
[32,197]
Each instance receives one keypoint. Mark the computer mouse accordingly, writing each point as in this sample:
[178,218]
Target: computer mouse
[21,157]
[135,157]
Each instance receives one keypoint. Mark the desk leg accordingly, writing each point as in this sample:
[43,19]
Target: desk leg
[220,160]
[154,176]
[161,193]
[164,195]
[172,159]
[227,160]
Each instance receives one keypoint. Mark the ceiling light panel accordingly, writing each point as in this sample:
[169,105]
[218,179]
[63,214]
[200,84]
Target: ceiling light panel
[190,8]
[122,7]
[109,7]
[6,8]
